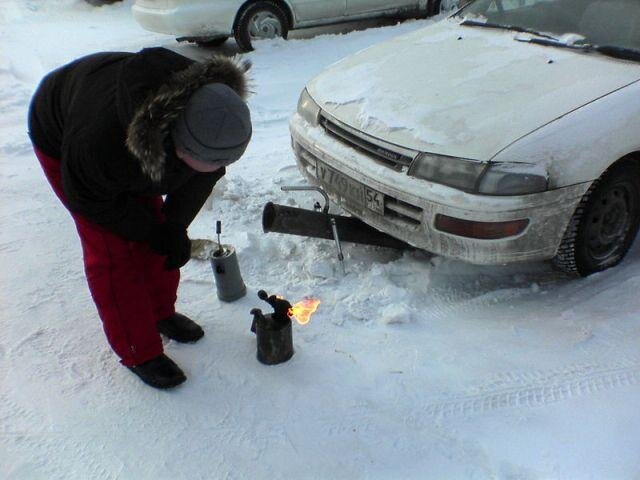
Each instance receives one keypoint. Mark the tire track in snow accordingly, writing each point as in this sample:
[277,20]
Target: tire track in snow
[537,389]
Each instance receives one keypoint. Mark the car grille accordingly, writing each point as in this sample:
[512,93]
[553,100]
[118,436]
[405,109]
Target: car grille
[399,212]
[383,155]
[404,212]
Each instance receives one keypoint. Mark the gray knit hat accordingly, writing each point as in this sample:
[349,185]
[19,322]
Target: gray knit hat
[215,125]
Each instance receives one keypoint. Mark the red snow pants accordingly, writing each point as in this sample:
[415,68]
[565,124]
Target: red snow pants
[128,282]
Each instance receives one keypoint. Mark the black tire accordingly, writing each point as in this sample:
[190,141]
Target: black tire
[211,42]
[275,23]
[605,223]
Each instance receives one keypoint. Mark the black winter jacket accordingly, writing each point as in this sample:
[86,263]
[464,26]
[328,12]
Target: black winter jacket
[107,118]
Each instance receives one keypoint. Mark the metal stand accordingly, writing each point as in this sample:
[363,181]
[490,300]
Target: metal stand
[325,210]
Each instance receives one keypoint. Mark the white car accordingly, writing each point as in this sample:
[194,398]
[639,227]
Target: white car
[211,22]
[508,132]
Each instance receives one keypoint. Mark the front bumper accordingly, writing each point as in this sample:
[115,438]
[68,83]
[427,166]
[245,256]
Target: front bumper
[411,204]
[193,19]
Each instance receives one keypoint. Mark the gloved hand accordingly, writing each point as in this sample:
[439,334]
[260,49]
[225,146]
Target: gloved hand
[171,240]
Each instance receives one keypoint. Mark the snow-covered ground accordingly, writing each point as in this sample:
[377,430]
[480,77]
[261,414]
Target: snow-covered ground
[413,367]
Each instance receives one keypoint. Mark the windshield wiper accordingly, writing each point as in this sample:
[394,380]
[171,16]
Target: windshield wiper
[608,50]
[515,28]
[617,52]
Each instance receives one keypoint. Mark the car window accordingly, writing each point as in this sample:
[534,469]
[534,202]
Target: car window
[600,22]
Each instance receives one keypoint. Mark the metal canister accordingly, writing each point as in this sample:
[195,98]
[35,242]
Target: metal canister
[274,338]
[226,271]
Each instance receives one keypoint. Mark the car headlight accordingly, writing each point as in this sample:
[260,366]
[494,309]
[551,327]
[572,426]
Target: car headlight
[481,177]
[308,108]
[451,171]
[513,179]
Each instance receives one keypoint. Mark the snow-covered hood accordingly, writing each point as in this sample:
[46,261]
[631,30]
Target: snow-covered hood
[463,91]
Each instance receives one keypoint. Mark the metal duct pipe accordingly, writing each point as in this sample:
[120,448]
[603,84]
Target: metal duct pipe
[307,223]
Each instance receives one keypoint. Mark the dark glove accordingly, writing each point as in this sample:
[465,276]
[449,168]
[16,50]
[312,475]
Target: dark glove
[171,240]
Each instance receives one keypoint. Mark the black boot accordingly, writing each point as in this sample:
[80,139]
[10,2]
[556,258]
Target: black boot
[180,328]
[160,372]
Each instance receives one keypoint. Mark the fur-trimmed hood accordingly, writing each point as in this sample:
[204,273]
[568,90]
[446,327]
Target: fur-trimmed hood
[150,126]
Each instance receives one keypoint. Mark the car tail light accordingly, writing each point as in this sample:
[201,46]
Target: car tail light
[480,230]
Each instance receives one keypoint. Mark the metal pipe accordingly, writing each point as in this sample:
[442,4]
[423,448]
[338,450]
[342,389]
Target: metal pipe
[307,223]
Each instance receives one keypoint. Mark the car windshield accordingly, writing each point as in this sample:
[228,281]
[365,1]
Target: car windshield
[607,23]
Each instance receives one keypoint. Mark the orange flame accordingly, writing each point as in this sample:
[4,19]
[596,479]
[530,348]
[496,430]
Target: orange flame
[303,310]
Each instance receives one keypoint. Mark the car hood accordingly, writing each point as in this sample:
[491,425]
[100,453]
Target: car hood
[463,91]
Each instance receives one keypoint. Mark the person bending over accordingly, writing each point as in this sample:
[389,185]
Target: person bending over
[114,132]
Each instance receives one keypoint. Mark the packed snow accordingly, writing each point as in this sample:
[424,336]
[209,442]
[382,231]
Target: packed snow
[413,367]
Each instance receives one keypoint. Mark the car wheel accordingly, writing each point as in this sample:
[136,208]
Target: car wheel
[259,21]
[211,42]
[605,223]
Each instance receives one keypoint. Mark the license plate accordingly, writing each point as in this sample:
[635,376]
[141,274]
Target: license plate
[337,182]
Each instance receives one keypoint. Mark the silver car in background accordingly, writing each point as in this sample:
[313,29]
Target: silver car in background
[212,22]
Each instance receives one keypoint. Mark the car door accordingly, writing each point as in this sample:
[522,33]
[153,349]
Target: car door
[317,10]
[356,7]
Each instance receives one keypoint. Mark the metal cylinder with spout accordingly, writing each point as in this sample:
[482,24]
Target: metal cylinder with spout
[273,331]
[226,271]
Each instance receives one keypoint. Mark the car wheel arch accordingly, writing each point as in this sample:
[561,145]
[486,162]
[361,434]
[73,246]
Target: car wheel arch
[631,157]
[283,4]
